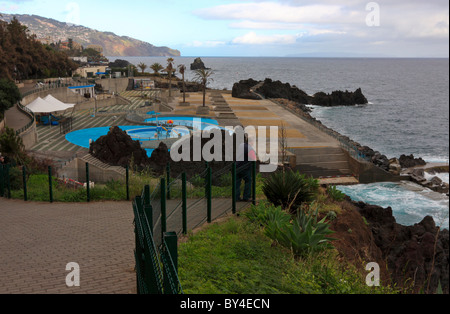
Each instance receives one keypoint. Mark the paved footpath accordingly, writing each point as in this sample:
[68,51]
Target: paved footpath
[38,240]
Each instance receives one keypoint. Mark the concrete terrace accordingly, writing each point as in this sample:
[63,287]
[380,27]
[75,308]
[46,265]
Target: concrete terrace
[300,134]
[38,240]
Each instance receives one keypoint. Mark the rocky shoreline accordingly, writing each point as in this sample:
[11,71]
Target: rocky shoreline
[412,257]
[417,257]
[251,89]
[296,100]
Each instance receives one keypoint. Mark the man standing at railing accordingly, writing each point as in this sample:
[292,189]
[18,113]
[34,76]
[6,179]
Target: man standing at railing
[246,154]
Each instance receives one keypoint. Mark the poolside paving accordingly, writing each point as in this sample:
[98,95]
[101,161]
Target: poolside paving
[38,240]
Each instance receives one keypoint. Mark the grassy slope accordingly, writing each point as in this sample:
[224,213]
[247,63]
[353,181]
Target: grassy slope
[234,257]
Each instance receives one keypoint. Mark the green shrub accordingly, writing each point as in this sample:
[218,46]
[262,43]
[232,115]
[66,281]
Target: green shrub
[304,236]
[263,213]
[197,181]
[290,190]
[15,178]
[335,194]
[12,146]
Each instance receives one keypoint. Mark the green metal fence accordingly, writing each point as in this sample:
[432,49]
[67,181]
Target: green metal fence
[156,266]
[179,205]
[15,182]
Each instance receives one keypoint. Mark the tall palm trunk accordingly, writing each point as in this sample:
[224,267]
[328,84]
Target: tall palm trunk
[184,89]
[204,94]
[170,84]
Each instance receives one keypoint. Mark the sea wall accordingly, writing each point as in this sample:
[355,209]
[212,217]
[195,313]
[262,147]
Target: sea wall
[369,166]
[116,85]
[367,172]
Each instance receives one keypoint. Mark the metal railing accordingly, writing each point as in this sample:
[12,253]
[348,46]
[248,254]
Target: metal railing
[29,113]
[156,267]
[180,205]
[15,179]
[46,87]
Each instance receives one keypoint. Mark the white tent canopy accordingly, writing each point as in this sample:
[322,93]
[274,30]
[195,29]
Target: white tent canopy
[52,100]
[40,105]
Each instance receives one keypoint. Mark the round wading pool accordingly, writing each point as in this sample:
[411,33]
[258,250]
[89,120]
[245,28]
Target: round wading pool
[191,122]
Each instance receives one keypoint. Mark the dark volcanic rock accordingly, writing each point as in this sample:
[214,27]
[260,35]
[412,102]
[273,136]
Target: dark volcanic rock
[117,148]
[410,161]
[198,65]
[119,63]
[276,89]
[339,98]
[160,157]
[418,252]
[242,89]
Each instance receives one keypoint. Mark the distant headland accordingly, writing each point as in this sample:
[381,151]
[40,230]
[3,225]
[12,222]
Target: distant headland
[50,30]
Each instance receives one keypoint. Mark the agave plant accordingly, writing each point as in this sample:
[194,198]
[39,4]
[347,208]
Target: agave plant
[264,213]
[290,190]
[335,194]
[304,236]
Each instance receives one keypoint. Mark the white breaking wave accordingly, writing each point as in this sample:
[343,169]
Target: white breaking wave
[410,202]
[444,176]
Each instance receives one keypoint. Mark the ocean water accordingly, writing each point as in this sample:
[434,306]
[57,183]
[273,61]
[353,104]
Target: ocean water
[409,98]
[408,112]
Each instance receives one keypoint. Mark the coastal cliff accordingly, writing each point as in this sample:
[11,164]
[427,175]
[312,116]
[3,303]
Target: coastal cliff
[417,256]
[50,30]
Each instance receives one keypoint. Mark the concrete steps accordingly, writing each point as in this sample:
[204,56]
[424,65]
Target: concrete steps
[95,162]
[322,161]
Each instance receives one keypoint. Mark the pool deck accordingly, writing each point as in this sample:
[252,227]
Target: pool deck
[228,111]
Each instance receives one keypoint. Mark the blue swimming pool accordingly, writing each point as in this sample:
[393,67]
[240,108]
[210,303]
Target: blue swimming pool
[195,122]
[141,133]
[82,138]
[157,133]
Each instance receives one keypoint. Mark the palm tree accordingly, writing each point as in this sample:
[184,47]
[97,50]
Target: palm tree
[203,77]
[170,69]
[142,66]
[182,70]
[156,67]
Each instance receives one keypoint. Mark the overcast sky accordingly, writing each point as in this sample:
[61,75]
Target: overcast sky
[386,28]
